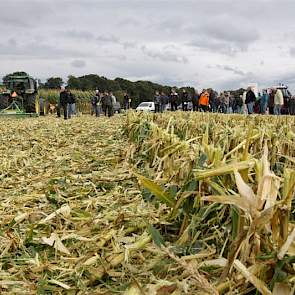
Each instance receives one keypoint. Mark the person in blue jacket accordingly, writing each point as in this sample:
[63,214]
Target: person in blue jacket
[264,101]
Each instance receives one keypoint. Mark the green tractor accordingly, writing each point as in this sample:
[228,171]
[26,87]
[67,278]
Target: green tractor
[19,96]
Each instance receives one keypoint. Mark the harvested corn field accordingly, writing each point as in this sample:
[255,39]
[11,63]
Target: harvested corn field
[70,213]
[147,204]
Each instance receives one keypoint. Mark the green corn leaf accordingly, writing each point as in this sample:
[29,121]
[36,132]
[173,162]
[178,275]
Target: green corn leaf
[156,236]
[156,190]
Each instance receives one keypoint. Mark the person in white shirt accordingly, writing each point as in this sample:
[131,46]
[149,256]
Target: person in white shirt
[278,102]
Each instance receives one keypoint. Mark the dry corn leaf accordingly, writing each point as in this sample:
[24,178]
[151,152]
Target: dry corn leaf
[287,244]
[65,211]
[58,283]
[260,285]
[54,241]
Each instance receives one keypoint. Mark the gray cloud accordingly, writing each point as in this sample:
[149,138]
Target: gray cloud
[78,63]
[233,70]
[108,39]
[33,49]
[11,21]
[80,35]
[164,55]
[222,37]
[129,22]
[128,45]
[24,14]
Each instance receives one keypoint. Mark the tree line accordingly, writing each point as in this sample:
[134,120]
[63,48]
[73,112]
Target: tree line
[139,91]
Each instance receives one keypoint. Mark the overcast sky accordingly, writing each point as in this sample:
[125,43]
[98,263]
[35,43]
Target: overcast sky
[224,44]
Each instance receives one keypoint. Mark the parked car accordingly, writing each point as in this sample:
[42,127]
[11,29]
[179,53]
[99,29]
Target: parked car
[147,106]
[117,107]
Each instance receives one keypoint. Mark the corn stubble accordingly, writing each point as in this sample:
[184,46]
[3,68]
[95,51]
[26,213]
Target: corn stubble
[229,182]
[213,214]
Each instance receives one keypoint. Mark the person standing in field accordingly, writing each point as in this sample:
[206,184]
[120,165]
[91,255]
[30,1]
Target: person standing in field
[271,101]
[63,103]
[204,101]
[114,99]
[278,102]
[218,103]
[103,103]
[264,102]
[292,105]
[239,104]
[72,103]
[225,103]
[231,103]
[127,101]
[213,100]
[163,101]
[157,102]
[173,100]
[250,100]
[95,104]
[244,97]
[257,102]
[109,110]
[195,100]
[184,100]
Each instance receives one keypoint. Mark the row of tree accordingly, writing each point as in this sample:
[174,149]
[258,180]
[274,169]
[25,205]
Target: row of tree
[139,91]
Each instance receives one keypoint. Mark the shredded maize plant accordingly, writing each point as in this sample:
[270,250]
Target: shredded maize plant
[227,183]
[147,204]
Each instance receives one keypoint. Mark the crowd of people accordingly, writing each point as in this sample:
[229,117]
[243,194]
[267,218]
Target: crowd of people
[270,101]
[103,103]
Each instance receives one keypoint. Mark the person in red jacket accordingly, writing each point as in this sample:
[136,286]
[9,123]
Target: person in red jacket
[204,101]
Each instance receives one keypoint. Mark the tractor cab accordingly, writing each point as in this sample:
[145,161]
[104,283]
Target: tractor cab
[19,96]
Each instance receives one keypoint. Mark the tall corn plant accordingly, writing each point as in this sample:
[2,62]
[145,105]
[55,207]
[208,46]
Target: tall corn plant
[51,96]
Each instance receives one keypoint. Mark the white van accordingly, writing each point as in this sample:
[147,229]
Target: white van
[148,106]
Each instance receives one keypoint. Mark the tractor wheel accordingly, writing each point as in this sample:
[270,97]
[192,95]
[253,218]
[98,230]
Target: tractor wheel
[3,102]
[30,104]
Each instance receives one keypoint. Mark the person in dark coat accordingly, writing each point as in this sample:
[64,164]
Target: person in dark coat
[173,100]
[71,104]
[164,101]
[195,100]
[250,100]
[292,105]
[271,102]
[213,100]
[95,104]
[109,108]
[127,101]
[157,102]
[257,103]
[103,103]
[238,104]
[184,100]
[63,103]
